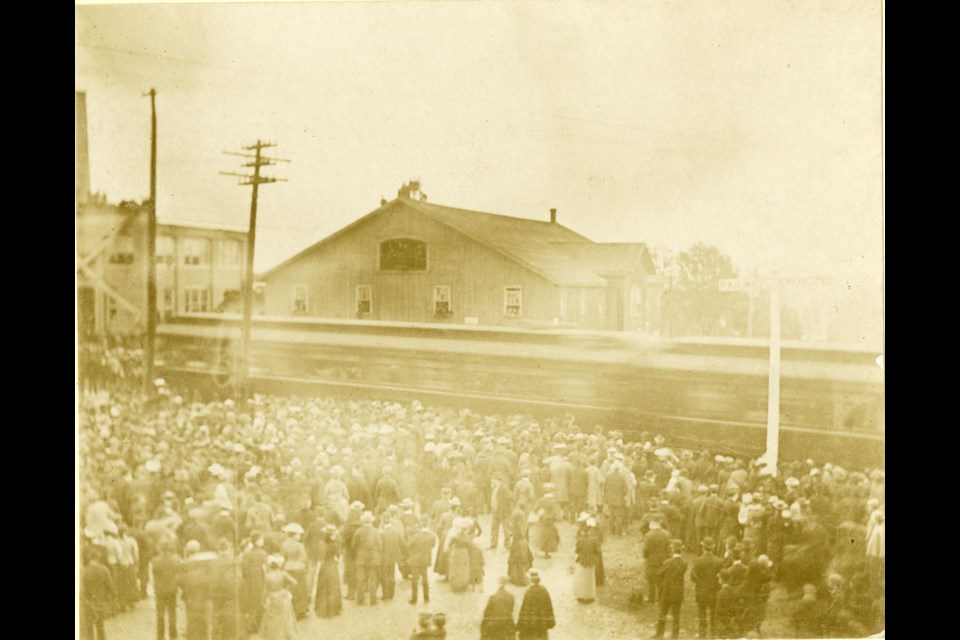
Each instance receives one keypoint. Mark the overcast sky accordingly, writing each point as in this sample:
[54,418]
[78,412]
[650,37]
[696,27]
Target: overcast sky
[754,126]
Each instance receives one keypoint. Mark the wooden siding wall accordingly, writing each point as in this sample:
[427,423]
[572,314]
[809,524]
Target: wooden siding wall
[475,274]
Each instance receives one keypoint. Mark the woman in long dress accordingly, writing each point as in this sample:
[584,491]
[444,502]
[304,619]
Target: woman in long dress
[588,553]
[328,601]
[547,513]
[458,563]
[521,558]
[279,622]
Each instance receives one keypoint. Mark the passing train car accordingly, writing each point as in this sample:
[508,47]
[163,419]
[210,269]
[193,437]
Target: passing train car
[704,393]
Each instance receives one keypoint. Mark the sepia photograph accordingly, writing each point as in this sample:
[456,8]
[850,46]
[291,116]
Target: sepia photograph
[619,375]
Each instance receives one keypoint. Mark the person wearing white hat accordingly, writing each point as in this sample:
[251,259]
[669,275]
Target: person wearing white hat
[368,547]
[587,560]
[279,618]
[295,553]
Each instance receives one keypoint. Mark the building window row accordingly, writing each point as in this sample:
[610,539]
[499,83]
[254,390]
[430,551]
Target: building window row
[196,299]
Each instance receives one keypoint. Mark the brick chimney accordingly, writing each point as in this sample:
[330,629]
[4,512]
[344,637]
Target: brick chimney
[553,215]
[82,158]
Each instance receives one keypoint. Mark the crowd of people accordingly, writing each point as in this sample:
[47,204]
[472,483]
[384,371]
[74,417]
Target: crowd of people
[257,516]
[110,363]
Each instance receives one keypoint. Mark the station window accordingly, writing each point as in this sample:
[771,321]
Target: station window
[166,249]
[563,302]
[364,299]
[122,250]
[299,298]
[636,300]
[196,251]
[583,302]
[403,254]
[196,299]
[602,304]
[441,300]
[513,301]
[228,253]
[121,257]
[167,301]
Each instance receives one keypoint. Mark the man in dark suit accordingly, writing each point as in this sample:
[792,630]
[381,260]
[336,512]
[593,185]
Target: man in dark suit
[419,552]
[392,537]
[165,572]
[497,623]
[97,594]
[670,577]
[615,497]
[705,574]
[501,504]
[710,514]
[369,547]
[656,550]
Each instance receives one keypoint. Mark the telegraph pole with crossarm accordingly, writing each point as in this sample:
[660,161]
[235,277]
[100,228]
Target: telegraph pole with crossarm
[257,160]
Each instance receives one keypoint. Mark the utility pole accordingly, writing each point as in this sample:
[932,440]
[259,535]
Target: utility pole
[258,160]
[151,253]
[773,384]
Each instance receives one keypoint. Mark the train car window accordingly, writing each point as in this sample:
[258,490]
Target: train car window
[403,254]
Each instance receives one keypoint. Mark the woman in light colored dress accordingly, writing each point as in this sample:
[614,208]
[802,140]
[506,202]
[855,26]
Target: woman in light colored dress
[588,553]
[279,622]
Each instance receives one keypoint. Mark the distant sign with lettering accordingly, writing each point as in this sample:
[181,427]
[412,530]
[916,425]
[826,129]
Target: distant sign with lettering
[741,284]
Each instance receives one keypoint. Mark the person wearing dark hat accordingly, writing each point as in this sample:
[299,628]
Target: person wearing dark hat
[252,562]
[536,611]
[418,551]
[656,551]
[705,575]
[327,601]
[497,622]
[729,609]
[670,579]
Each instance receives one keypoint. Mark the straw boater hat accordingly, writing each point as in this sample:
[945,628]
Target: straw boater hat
[293,529]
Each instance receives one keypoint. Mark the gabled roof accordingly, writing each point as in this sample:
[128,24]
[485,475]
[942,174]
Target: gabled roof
[529,242]
[551,250]
[609,258]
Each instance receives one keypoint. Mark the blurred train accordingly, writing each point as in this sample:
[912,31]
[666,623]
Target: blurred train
[703,393]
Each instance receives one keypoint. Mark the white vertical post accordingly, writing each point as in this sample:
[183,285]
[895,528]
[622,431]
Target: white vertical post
[773,394]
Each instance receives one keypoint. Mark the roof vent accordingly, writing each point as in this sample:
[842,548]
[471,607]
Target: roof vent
[553,215]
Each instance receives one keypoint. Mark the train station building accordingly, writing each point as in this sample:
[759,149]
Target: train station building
[414,261]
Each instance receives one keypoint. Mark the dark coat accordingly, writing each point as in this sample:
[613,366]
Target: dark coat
[420,549]
[167,570]
[536,613]
[497,623]
[369,546]
[656,546]
[704,574]
[96,588]
[670,576]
